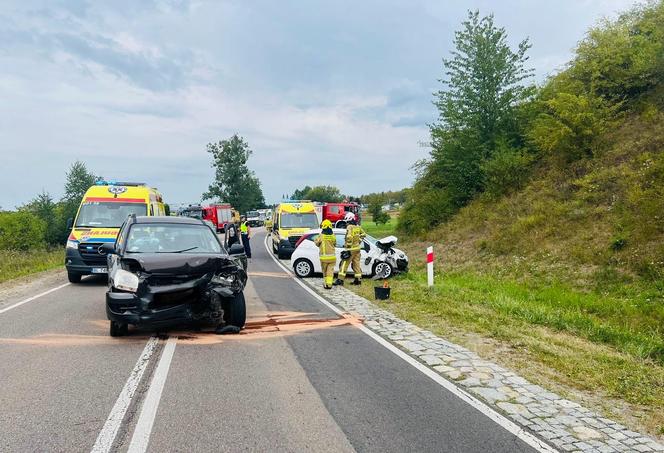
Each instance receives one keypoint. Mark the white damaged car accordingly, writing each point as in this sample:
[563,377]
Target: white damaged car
[378,256]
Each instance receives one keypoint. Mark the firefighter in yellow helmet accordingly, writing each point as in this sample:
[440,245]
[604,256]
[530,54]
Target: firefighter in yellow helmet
[353,245]
[326,243]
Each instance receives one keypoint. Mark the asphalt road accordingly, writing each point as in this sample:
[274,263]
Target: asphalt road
[299,378]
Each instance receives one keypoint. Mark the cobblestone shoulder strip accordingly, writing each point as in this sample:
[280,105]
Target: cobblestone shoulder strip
[563,423]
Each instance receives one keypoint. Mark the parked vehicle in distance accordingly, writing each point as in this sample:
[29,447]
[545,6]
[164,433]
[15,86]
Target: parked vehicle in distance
[105,206]
[289,221]
[254,218]
[268,220]
[172,270]
[263,215]
[377,256]
[220,214]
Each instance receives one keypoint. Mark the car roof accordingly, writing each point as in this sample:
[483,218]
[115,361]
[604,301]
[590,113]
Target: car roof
[168,219]
[334,230]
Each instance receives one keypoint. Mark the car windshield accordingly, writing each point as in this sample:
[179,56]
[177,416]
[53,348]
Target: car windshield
[172,238]
[101,214]
[253,214]
[371,239]
[293,220]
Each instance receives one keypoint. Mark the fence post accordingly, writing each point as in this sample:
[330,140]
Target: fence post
[430,266]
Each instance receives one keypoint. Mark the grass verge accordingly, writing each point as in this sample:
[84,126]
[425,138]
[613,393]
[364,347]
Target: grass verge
[379,231]
[607,351]
[15,264]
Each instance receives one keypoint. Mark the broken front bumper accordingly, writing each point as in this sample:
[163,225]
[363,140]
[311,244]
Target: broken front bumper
[197,300]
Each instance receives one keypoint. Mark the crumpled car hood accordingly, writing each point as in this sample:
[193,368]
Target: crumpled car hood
[178,263]
[182,287]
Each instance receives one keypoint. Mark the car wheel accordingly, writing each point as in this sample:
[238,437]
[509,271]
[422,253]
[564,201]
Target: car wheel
[73,277]
[303,268]
[118,329]
[235,311]
[383,270]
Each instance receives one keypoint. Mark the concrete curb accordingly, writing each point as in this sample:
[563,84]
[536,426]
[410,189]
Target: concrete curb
[561,422]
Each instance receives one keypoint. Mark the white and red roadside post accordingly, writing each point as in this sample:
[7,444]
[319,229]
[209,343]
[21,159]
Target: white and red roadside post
[430,266]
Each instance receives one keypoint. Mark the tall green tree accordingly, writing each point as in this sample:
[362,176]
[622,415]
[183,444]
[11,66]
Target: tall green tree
[78,180]
[477,112]
[484,85]
[234,182]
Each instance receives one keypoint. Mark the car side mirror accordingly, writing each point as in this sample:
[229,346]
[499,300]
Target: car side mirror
[70,223]
[236,249]
[108,248]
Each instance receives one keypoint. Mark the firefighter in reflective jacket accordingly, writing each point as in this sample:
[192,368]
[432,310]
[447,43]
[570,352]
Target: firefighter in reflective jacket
[326,242]
[353,244]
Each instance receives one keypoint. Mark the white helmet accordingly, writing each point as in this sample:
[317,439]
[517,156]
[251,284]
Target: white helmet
[349,217]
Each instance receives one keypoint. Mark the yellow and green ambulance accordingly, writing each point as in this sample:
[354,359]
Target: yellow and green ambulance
[103,210]
[289,221]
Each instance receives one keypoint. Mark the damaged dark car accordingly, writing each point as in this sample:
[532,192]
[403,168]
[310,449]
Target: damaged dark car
[168,271]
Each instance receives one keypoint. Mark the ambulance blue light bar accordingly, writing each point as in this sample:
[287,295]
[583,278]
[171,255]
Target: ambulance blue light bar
[102,182]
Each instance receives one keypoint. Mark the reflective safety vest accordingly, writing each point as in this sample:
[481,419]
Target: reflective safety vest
[354,236]
[244,229]
[326,244]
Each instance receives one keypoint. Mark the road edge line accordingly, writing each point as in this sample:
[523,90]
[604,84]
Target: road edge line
[496,417]
[143,430]
[109,431]
[30,299]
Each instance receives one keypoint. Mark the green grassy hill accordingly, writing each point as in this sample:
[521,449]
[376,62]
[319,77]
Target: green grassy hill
[550,255]
[596,224]
[561,280]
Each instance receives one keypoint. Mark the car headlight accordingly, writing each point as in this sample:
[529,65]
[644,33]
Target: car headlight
[72,244]
[223,279]
[125,281]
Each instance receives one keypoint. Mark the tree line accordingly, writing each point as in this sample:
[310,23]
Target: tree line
[495,126]
[43,221]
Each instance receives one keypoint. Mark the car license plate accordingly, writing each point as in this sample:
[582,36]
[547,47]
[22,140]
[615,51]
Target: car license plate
[99,270]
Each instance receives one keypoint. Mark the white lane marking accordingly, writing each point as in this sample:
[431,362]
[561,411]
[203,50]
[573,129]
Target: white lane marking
[30,299]
[107,434]
[501,420]
[141,437]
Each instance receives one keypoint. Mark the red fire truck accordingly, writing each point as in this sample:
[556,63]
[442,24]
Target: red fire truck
[220,214]
[335,212]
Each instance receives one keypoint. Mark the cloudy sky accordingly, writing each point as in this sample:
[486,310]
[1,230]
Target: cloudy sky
[325,92]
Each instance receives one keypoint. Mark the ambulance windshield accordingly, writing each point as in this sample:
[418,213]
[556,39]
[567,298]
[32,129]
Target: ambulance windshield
[100,214]
[292,220]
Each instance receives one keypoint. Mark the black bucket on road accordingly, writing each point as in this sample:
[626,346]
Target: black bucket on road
[381,292]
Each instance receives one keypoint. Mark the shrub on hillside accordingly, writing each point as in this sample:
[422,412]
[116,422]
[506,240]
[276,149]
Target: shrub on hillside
[21,231]
[623,59]
[507,170]
[569,124]
[432,207]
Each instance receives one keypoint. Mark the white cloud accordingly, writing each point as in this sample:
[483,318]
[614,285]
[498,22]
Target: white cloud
[136,89]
